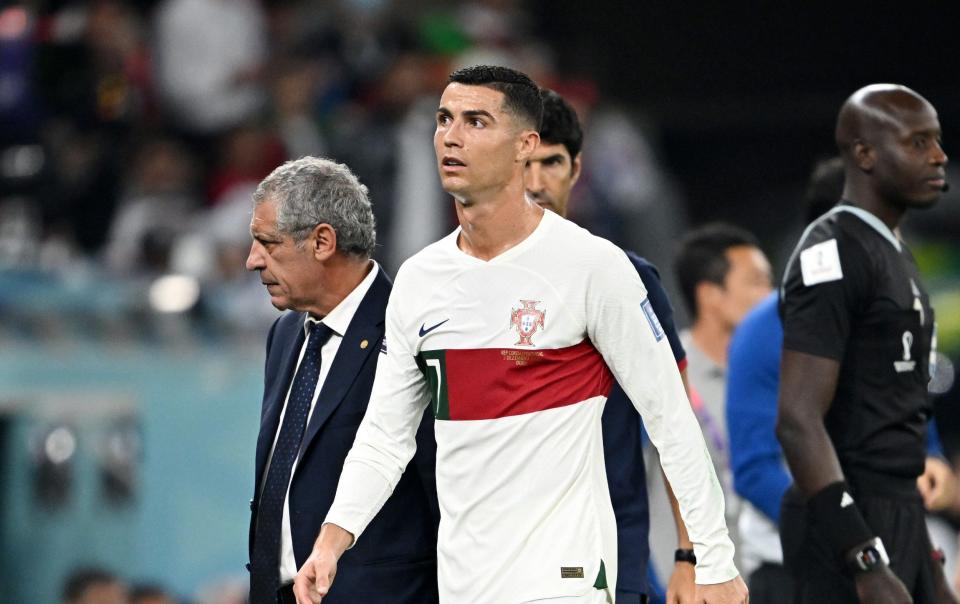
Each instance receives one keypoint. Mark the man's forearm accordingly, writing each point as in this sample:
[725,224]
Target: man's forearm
[683,539]
[808,384]
[810,454]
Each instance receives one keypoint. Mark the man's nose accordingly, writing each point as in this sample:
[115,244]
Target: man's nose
[255,257]
[939,155]
[452,136]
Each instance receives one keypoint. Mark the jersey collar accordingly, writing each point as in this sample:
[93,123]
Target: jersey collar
[871,220]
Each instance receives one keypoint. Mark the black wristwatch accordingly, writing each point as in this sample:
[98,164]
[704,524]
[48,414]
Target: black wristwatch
[867,556]
[685,555]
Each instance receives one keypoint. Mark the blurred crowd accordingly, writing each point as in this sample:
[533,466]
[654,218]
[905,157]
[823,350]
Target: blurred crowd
[134,132]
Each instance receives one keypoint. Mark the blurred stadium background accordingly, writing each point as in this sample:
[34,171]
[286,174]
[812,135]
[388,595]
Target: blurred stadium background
[133,132]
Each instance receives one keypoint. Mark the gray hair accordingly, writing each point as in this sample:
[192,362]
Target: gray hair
[313,190]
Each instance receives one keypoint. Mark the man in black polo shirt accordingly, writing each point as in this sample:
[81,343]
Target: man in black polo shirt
[858,331]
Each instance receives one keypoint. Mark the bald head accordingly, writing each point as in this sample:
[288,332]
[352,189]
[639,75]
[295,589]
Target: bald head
[874,109]
[889,137]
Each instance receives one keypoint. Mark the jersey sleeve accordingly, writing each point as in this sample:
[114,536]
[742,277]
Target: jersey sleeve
[661,305]
[386,438]
[634,347]
[822,291]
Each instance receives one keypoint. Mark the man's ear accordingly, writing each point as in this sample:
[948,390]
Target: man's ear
[322,241]
[575,170]
[527,143]
[864,155]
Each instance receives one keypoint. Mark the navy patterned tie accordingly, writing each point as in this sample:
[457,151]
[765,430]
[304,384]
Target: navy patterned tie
[265,562]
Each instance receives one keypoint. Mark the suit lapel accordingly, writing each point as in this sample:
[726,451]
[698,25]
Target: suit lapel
[274,399]
[367,325]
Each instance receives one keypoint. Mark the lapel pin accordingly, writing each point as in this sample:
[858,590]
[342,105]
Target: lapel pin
[364,344]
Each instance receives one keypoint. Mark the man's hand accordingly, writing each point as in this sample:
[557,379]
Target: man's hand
[937,485]
[733,591]
[681,589]
[316,575]
[881,586]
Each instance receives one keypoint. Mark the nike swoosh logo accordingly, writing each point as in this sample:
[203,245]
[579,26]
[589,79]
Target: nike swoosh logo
[424,332]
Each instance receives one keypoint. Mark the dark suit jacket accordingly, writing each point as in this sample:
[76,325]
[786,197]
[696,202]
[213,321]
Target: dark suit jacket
[395,559]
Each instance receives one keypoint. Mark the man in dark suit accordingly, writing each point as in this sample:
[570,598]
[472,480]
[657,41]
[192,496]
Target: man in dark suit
[313,235]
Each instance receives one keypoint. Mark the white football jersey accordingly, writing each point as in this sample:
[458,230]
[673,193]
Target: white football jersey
[516,356]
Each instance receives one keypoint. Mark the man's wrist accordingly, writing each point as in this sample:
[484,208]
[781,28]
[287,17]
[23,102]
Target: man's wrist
[334,538]
[834,513]
[685,555]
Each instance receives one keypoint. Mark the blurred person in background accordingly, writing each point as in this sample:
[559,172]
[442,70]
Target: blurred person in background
[551,174]
[858,336]
[722,274]
[760,474]
[313,235]
[93,78]
[292,93]
[245,155]
[210,57]
[93,586]
[155,210]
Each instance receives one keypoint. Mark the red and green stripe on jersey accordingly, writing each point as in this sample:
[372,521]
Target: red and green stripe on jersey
[489,383]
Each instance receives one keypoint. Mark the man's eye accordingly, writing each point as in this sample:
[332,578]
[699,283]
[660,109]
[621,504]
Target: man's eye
[920,142]
[478,124]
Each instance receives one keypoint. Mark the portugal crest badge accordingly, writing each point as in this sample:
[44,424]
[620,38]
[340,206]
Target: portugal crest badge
[527,320]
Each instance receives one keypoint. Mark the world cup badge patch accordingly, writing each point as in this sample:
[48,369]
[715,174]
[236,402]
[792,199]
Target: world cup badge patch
[652,319]
[527,320]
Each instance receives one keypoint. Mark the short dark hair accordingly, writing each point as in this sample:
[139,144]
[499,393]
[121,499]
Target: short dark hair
[521,95]
[82,579]
[703,257]
[824,188]
[560,125]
